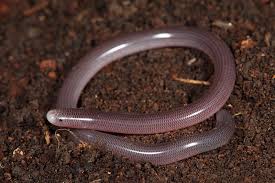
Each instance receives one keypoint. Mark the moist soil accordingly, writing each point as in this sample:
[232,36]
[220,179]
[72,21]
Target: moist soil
[40,42]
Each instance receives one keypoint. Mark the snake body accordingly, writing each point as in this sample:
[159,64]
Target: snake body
[92,125]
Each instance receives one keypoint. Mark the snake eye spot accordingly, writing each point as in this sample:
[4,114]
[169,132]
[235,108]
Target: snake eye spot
[60,120]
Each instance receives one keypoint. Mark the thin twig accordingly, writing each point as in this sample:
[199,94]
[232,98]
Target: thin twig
[191,61]
[267,39]
[190,81]
[47,136]
[43,4]
[96,181]
[238,114]
[222,24]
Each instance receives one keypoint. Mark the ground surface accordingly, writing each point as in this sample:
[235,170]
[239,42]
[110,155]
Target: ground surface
[38,48]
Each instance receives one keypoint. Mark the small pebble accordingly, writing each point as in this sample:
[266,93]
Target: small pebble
[35,173]
[67,157]
[42,18]
[7,176]
[52,75]
[155,107]
[4,8]
[1,154]
[48,64]
[17,171]
[33,32]
[2,108]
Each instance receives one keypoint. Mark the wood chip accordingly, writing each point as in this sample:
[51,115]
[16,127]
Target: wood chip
[190,81]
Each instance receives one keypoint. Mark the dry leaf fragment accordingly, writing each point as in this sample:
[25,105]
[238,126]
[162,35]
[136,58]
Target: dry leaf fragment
[267,39]
[248,43]
[47,137]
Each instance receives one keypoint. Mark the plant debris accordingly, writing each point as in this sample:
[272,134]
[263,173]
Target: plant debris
[38,7]
[267,39]
[190,81]
[222,24]
[247,43]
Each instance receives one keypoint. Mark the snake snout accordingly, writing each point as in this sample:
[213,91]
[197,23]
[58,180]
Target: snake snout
[52,117]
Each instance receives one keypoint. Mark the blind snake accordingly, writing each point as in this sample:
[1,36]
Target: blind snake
[91,126]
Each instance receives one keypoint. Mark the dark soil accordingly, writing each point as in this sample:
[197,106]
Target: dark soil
[38,49]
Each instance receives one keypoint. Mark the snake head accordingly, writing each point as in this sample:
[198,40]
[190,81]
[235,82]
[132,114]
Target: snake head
[70,118]
[53,117]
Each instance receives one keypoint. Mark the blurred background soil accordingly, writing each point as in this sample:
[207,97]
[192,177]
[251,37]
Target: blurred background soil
[40,41]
